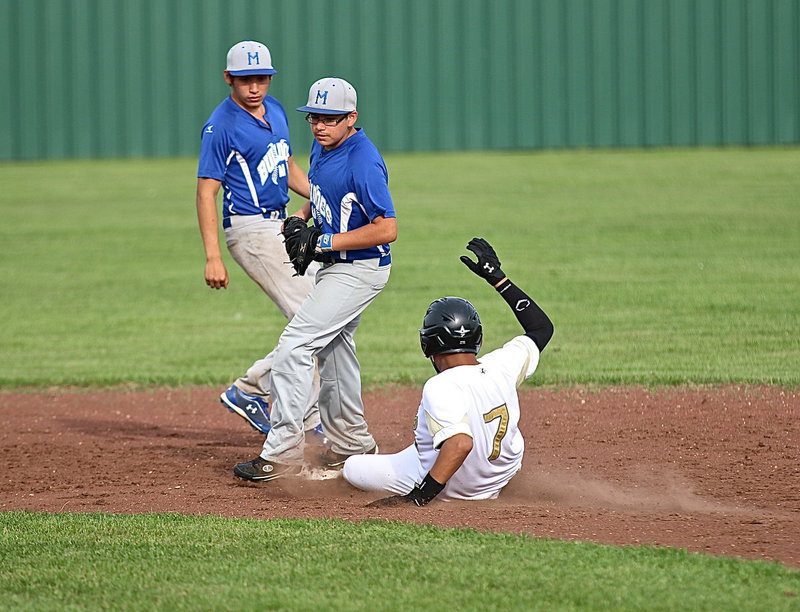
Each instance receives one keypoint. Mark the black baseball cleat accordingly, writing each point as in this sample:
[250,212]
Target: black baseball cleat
[261,470]
[334,461]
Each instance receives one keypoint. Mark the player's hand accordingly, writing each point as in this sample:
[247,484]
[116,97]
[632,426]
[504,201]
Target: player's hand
[399,500]
[420,495]
[488,264]
[216,274]
[388,502]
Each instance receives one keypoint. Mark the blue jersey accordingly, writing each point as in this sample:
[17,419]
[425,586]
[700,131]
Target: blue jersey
[349,189]
[247,157]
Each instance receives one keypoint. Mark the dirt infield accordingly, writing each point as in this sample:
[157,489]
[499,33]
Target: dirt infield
[710,470]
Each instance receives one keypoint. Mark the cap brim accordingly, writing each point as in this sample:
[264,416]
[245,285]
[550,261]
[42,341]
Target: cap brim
[323,111]
[249,72]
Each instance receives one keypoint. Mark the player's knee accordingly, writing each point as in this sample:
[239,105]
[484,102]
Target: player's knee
[357,472]
[290,355]
[347,471]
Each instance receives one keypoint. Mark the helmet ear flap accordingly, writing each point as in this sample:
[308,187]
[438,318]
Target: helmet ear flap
[431,342]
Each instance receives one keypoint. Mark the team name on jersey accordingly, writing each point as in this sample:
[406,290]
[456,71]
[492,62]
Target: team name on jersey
[274,163]
[319,206]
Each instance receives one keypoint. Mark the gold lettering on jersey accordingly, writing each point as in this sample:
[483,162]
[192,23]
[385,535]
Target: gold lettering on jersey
[501,412]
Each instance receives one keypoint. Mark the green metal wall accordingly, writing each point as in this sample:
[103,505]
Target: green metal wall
[119,78]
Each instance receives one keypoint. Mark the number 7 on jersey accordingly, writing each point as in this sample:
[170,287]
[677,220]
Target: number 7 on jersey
[501,412]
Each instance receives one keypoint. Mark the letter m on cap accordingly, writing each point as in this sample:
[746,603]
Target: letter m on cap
[252,58]
[321,95]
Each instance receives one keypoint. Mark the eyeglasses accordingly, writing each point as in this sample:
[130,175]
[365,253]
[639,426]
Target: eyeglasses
[327,120]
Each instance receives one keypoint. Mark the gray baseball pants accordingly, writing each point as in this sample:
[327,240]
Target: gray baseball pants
[255,243]
[324,327]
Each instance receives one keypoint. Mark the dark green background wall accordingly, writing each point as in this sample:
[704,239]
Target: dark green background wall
[98,78]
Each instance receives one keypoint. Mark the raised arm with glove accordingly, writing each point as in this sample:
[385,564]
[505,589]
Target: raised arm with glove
[534,321]
[537,326]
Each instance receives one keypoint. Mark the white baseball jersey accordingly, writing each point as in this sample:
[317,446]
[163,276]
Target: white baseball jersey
[479,401]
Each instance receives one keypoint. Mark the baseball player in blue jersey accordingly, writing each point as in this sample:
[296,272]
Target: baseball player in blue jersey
[353,223]
[245,149]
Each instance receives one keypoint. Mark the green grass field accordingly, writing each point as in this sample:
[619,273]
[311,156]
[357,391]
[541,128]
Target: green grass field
[657,267]
[160,562]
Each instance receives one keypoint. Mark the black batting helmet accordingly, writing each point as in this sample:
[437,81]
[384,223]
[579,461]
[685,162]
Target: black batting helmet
[451,325]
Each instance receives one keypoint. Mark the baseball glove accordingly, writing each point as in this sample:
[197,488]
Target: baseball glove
[291,233]
[303,249]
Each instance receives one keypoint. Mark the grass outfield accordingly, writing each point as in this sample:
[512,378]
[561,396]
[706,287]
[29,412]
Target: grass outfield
[657,267]
[160,562]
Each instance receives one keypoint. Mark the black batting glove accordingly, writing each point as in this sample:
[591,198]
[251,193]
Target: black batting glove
[420,495]
[488,265]
[388,502]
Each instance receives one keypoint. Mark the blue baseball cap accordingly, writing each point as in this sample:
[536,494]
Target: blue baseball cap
[249,57]
[330,96]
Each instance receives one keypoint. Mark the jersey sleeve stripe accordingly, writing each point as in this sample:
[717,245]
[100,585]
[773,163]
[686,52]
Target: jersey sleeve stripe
[248,178]
[346,208]
[523,373]
[448,432]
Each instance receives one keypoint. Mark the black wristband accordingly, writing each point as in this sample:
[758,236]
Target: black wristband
[426,491]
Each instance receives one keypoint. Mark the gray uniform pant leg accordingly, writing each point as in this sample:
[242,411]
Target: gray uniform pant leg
[257,246]
[340,393]
[323,327]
